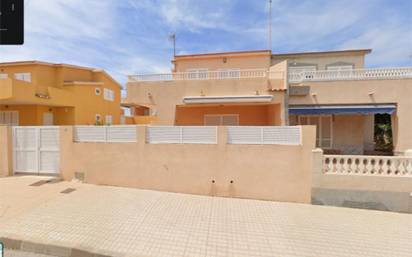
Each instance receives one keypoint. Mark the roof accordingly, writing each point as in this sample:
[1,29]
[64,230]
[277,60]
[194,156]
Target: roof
[220,54]
[334,52]
[35,62]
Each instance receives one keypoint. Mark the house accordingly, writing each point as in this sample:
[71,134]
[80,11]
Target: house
[330,89]
[40,93]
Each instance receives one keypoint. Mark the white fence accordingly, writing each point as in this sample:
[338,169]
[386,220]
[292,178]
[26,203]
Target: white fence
[265,135]
[399,166]
[181,135]
[36,149]
[105,134]
[355,74]
[209,75]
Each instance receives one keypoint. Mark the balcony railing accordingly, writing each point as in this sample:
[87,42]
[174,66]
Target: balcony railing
[208,75]
[356,74]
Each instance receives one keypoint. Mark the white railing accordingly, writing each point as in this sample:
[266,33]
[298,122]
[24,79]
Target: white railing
[181,135]
[208,75]
[399,166]
[105,134]
[356,74]
[265,135]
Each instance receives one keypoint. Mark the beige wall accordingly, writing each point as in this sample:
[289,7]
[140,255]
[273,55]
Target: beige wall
[394,91]
[6,161]
[268,172]
[224,61]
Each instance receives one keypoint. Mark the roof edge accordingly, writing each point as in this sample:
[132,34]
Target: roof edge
[364,51]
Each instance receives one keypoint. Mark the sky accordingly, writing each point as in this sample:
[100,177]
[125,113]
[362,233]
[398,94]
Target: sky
[127,37]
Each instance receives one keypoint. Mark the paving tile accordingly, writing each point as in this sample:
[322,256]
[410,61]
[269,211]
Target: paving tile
[130,222]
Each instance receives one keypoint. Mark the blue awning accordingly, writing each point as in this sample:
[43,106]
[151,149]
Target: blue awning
[342,109]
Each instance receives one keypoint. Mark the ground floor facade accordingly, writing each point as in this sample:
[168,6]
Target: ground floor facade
[341,134]
[41,115]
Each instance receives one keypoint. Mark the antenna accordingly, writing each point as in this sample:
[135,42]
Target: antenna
[270,26]
[172,37]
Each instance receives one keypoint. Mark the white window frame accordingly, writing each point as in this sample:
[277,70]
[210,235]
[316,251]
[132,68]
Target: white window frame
[4,76]
[233,73]
[23,76]
[108,94]
[98,91]
[346,67]
[319,138]
[199,73]
[220,119]
[299,69]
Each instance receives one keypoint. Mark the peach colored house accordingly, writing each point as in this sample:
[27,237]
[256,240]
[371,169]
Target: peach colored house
[331,89]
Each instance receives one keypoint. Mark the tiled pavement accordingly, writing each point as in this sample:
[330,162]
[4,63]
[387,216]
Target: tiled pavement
[130,222]
[15,253]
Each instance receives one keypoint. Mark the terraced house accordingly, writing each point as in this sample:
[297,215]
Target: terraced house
[40,93]
[332,90]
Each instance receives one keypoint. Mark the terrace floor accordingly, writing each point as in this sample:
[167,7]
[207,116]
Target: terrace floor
[130,222]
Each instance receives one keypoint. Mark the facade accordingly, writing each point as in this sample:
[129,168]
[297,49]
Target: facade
[39,93]
[332,90]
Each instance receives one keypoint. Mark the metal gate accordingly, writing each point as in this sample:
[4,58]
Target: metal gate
[36,150]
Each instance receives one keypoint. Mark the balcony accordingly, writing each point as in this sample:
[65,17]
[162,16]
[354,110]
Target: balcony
[208,75]
[356,74]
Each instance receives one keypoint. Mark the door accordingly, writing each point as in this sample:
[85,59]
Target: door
[48,119]
[36,150]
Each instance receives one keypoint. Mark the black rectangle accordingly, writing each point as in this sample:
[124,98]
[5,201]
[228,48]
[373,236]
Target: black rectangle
[11,22]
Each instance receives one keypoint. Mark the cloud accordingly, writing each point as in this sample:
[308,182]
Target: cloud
[125,37]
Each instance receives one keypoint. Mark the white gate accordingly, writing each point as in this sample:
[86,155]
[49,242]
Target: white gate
[36,150]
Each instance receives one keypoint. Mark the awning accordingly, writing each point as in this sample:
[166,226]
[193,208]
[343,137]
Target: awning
[342,109]
[227,99]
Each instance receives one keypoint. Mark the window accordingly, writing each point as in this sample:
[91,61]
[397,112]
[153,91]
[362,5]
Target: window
[97,91]
[228,74]
[197,73]
[23,76]
[221,120]
[109,119]
[108,94]
[4,76]
[324,128]
[10,118]
[299,69]
[339,67]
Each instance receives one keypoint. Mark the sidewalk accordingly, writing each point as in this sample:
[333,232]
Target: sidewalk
[130,222]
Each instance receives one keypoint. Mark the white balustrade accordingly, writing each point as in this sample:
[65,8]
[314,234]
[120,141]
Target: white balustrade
[399,166]
[203,75]
[355,74]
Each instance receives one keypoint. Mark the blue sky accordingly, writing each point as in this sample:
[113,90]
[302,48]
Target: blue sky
[131,36]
